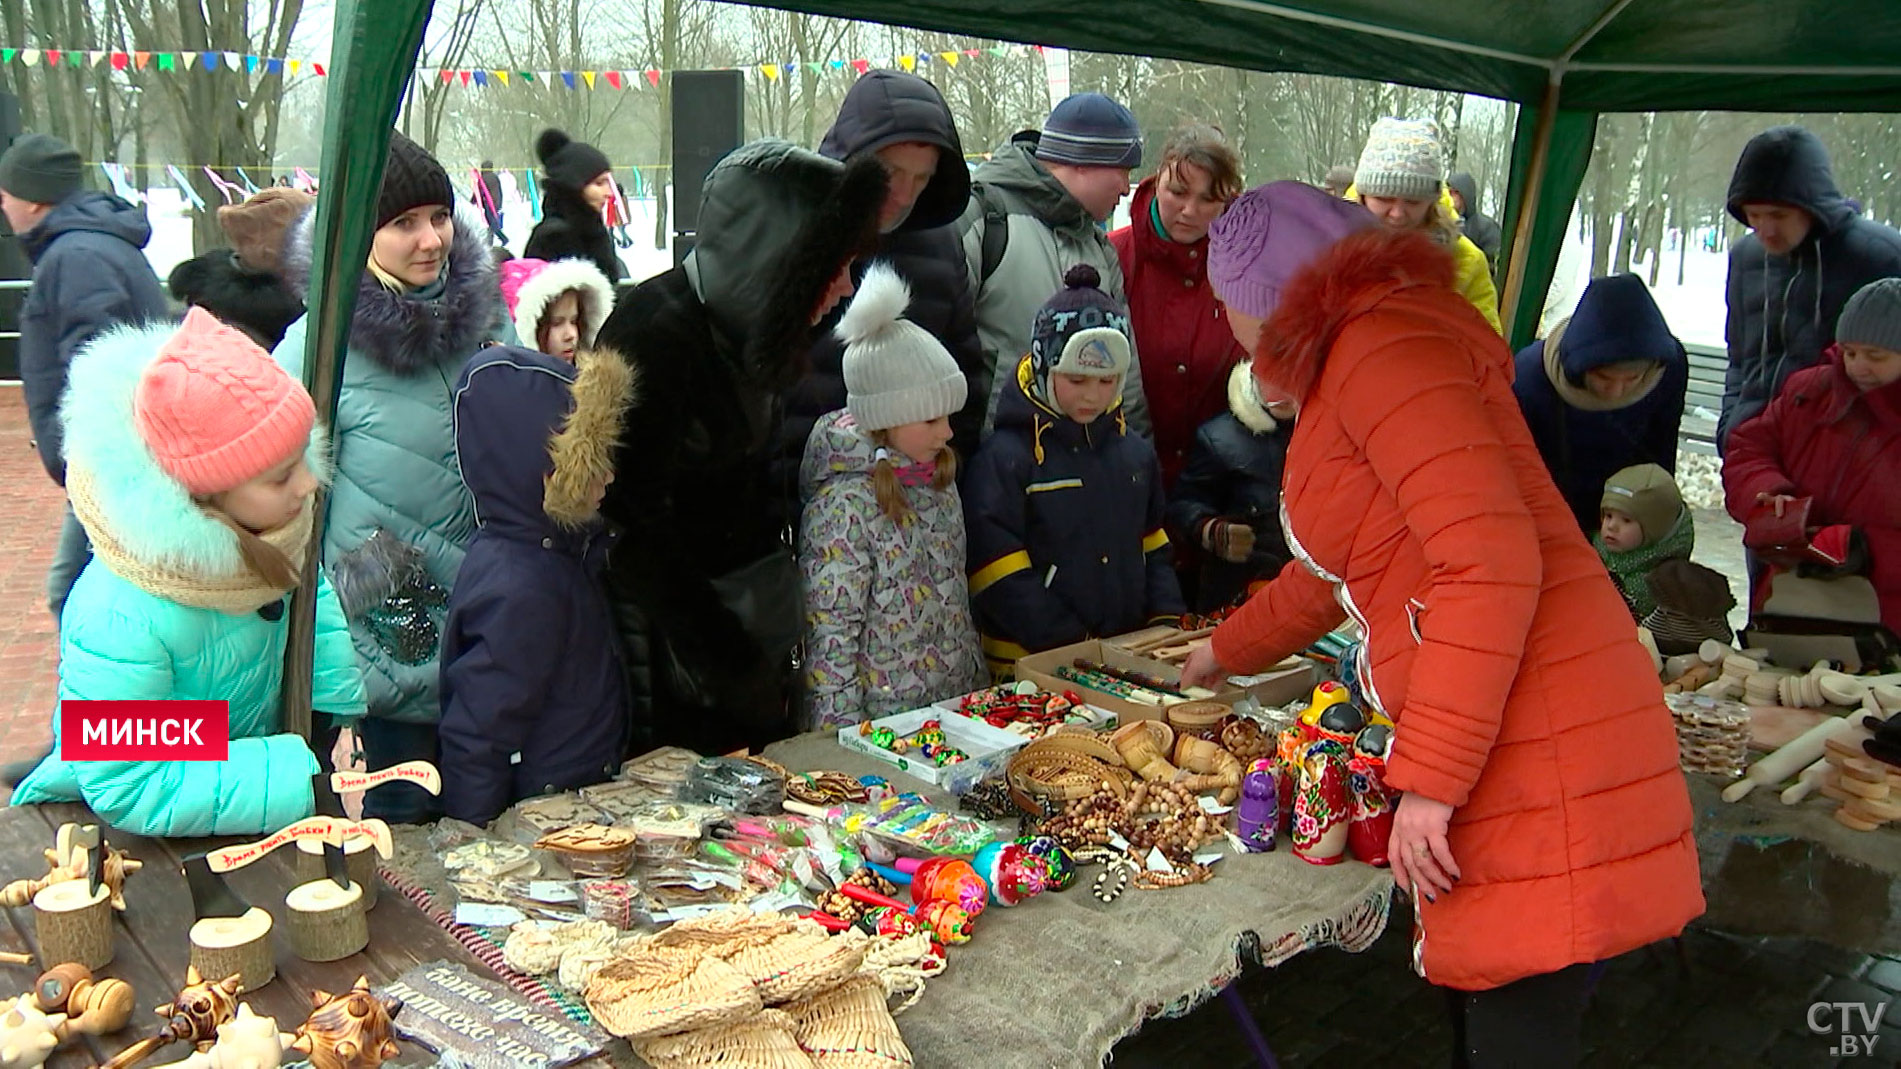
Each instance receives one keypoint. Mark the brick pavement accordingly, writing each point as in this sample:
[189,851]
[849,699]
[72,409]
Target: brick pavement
[30,506]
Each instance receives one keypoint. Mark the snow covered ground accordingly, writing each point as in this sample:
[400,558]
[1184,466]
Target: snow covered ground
[1695,309]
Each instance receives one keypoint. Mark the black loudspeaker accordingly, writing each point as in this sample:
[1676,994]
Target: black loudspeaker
[709,120]
[14,264]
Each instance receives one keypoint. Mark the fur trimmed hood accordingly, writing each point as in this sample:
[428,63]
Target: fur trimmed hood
[149,513]
[1345,282]
[1244,400]
[532,433]
[531,297]
[406,332]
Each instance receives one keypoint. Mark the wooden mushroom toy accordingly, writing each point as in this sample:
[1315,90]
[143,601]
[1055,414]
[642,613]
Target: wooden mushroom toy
[351,1030]
[93,1006]
[192,1016]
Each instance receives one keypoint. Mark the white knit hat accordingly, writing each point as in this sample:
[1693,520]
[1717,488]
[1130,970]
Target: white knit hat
[1402,158]
[895,371]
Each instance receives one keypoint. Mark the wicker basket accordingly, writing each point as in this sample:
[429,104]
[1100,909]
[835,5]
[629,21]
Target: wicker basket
[763,1041]
[1082,743]
[794,965]
[662,990]
[1058,775]
[849,1027]
[1201,719]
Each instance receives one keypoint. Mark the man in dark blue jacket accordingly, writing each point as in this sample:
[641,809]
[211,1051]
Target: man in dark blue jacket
[902,120]
[1808,251]
[533,696]
[1604,391]
[89,274]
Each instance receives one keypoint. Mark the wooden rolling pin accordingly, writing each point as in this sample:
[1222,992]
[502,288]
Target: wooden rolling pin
[1793,758]
[1805,783]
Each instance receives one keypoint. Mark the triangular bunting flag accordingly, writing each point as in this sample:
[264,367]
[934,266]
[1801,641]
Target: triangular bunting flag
[838,64]
[614,79]
[481,78]
[567,79]
[97,57]
[234,61]
[973,53]
[121,61]
[77,59]
[653,77]
[447,77]
[294,64]
[30,56]
[250,64]
[588,77]
[52,57]
[950,57]
[996,51]
[535,76]
[318,68]
[209,59]
[815,68]
[909,63]
[502,77]
[140,59]
[187,60]
[275,66]
[923,58]
[861,65]
[167,61]
[464,76]
[770,70]
[7,54]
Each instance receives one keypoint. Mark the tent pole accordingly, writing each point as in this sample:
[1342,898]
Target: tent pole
[373,50]
[1527,214]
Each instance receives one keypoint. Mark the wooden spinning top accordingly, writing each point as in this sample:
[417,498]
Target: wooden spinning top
[351,1030]
[93,1007]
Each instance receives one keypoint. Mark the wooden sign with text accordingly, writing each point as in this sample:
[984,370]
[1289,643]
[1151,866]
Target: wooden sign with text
[484,1024]
[331,830]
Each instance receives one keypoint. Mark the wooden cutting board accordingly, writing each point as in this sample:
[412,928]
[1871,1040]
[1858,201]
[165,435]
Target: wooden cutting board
[1771,726]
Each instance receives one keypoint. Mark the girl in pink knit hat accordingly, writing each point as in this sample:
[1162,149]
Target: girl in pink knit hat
[556,306]
[192,458]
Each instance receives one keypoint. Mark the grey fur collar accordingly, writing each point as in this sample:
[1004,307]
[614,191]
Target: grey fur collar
[401,332]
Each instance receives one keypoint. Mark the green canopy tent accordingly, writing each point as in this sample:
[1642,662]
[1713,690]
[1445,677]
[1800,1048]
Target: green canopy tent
[1566,61]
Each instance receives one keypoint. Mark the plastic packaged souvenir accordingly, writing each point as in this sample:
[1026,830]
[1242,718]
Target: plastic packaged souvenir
[665,768]
[543,815]
[734,783]
[616,799]
[679,820]
[906,824]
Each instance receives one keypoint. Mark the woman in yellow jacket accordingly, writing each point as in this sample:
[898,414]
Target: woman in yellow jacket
[1402,181]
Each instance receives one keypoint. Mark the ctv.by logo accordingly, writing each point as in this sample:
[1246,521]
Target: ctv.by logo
[1840,1020]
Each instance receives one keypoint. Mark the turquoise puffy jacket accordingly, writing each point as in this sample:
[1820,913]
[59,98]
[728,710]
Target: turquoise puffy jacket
[121,642]
[395,440]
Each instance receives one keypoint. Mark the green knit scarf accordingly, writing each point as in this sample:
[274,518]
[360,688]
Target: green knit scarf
[1630,569]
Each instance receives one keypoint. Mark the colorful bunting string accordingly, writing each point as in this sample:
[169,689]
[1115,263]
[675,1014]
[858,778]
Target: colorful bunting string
[481,77]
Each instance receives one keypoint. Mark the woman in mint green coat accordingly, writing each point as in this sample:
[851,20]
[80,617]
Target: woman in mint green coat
[192,458]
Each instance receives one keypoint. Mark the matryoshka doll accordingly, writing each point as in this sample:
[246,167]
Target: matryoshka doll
[1372,821]
[1323,804]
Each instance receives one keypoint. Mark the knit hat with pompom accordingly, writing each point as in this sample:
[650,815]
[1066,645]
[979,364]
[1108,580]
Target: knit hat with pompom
[568,163]
[895,371]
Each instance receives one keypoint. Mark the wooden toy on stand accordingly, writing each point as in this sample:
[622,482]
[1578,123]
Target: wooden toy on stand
[230,936]
[324,919]
[73,917]
[359,854]
[65,862]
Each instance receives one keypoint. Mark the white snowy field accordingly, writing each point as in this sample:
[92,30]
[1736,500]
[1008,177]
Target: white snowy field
[1694,310]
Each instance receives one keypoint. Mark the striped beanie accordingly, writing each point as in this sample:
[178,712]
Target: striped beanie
[1091,130]
[1402,158]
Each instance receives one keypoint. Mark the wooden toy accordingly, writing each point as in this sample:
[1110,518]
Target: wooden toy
[192,1016]
[1322,804]
[92,1006]
[67,860]
[351,1030]
[230,936]
[247,1041]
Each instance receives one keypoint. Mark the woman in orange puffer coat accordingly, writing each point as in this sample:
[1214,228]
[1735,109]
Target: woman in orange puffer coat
[1543,823]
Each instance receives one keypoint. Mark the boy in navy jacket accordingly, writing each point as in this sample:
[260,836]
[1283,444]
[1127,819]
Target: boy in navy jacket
[1062,504]
[533,696]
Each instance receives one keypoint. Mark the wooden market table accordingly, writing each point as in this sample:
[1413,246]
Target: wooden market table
[1060,979]
[150,947]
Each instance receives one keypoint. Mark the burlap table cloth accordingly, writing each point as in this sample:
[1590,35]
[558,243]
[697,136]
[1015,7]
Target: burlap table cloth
[1060,979]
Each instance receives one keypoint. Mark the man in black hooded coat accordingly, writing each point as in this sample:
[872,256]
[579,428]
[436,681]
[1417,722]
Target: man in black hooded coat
[706,588]
[885,110]
[1788,281]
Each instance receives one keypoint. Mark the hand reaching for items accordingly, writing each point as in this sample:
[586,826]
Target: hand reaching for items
[1421,857]
[1201,669]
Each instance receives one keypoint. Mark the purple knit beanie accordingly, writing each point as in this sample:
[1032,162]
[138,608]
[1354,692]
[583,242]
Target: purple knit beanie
[1268,234]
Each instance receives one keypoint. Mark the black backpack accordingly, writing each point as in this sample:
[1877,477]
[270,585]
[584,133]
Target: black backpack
[996,237]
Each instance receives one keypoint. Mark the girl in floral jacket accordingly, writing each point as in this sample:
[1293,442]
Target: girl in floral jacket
[888,624]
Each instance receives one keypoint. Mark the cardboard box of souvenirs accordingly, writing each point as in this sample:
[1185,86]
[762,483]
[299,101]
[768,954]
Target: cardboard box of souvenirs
[986,749]
[1287,681]
[1093,717]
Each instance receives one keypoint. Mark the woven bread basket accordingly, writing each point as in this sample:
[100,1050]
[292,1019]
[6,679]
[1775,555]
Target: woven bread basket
[764,1040]
[662,990]
[848,1027]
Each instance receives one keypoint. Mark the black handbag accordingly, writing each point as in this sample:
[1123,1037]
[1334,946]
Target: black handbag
[766,596]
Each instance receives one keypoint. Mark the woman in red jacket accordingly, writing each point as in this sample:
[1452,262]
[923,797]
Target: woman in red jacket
[1833,436]
[1185,345]
[1543,823]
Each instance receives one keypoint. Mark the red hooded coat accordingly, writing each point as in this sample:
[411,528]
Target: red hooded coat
[1181,332]
[1494,638]
[1823,438]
